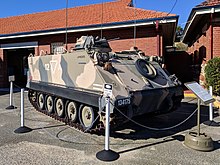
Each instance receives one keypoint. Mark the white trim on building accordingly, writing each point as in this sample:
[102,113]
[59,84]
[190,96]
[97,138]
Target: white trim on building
[19,45]
[163,21]
[199,12]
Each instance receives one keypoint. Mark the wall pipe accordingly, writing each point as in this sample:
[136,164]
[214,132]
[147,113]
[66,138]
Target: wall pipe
[158,38]
[211,26]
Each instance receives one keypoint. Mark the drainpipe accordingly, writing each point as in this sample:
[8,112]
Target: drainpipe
[158,38]
[211,26]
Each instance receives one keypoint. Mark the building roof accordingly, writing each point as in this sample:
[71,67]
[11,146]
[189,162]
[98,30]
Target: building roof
[197,19]
[109,12]
[209,3]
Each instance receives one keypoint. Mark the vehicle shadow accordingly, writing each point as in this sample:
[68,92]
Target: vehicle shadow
[144,146]
[133,131]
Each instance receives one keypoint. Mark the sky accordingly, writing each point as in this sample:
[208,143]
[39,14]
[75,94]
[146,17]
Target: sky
[19,7]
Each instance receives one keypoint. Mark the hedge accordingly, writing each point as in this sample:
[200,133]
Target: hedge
[212,75]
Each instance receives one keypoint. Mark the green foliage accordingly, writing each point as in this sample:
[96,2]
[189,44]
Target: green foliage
[212,75]
[179,33]
[180,46]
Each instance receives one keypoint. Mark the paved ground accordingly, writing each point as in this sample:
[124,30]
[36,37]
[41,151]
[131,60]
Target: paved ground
[53,143]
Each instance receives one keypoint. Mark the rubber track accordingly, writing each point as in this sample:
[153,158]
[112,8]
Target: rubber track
[99,128]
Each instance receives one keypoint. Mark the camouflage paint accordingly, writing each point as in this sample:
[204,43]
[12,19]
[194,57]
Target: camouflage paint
[79,70]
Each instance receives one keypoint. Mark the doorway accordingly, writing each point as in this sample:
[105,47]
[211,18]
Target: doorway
[17,64]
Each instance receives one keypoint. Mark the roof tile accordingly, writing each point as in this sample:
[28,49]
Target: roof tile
[209,3]
[116,11]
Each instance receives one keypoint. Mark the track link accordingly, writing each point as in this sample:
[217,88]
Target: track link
[98,129]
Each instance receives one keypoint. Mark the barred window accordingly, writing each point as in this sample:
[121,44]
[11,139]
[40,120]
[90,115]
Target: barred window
[57,48]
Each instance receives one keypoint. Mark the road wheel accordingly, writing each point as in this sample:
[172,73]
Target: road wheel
[32,95]
[86,116]
[71,111]
[59,106]
[41,101]
[49,104]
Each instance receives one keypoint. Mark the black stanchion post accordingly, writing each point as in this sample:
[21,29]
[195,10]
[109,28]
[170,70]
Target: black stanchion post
[11,106]
[22,128]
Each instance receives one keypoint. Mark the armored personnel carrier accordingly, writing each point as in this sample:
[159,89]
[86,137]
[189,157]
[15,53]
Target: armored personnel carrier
[69,86]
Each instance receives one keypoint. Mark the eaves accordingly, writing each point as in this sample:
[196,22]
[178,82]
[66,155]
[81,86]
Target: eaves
[194,16]
[142,22]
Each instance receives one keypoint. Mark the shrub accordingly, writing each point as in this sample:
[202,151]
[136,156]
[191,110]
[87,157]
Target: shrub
[212,75]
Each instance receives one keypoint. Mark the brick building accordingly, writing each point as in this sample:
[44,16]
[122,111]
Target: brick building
[202,34]
[150,31]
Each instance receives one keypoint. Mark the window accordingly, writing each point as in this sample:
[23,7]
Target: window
[57,48]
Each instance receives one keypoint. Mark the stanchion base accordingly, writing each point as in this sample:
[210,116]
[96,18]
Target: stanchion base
[23,129]
[211,123]
[11,107]
[107,155]
[200,142]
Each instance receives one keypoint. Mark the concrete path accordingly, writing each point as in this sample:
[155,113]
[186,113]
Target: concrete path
[54,143]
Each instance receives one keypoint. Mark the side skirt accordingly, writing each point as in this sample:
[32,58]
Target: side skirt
[84,97]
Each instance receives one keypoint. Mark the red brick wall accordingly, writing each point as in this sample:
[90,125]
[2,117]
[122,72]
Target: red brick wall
[3,71]
[44,49]
[1,55]
[36,50]
[1,67]
[201,50]
[146,40]
[216,39]
[204,43]
[124,39]
[147,45]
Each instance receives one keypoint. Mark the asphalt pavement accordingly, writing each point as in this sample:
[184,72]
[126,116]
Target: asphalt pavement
[53,143]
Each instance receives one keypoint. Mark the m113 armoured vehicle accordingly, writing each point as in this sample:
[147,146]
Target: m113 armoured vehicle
[69,86]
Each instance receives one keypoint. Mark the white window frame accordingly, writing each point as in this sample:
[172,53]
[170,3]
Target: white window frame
[19,45]
[57,48]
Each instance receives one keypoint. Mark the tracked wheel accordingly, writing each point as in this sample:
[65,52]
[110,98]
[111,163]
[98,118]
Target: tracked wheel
[41,101]
[49,104]
[87,117]
[59,106]
[71,111]
[32,95]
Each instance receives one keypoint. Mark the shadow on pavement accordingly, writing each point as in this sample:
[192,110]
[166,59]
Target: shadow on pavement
[52,126]
[144,146]
[4,91]
[216,145]
[132,131]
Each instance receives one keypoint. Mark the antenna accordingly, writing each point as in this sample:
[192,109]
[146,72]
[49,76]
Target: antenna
[66,24]
[172,7]
[135,22]
[102,18]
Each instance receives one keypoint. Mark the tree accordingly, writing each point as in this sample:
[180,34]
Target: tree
[179,33]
